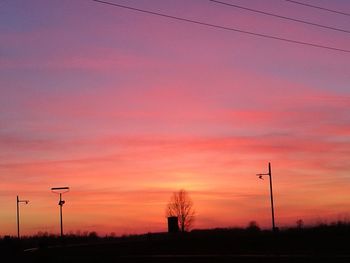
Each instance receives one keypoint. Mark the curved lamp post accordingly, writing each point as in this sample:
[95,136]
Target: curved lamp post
[60,191]
[19,201]
[271,195]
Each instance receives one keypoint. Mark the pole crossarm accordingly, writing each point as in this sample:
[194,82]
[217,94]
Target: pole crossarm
[60,190]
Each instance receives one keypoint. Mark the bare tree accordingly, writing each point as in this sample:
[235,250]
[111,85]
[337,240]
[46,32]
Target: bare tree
[181,206]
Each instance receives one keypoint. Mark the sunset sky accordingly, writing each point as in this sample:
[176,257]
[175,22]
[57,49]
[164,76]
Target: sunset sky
[125,108]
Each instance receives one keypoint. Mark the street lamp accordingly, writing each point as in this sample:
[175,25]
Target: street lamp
[19,201]
[60,191]
[271,195]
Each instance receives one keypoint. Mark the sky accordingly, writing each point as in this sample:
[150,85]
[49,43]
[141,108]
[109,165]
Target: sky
[126,108]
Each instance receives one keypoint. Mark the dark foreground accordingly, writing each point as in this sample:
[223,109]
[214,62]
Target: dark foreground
[321,244]
[110,257]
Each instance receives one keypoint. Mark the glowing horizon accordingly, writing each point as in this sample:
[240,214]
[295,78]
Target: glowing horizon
[126,108]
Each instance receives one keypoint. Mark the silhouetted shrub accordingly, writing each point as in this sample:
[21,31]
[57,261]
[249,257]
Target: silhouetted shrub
[253,226]
[93,235]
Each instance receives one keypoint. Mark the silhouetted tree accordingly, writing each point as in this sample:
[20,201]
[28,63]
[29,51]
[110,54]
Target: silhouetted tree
[181,206]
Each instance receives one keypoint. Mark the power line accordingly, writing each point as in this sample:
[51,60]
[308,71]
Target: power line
[223,27]
[280,16]
[319,7]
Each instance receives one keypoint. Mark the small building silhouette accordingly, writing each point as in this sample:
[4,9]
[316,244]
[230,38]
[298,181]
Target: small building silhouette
[173,224]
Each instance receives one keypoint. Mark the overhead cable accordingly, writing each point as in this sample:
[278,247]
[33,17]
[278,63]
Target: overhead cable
[319,7]
[282,17]
[224,27]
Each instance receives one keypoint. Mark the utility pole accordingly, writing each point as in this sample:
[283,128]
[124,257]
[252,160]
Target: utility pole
[271,196]
[61,203]
[19,201]
[60,191]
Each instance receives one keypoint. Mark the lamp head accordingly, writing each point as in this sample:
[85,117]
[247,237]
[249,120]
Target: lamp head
[260,176]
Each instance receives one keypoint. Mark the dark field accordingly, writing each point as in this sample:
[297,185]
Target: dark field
[317,244]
